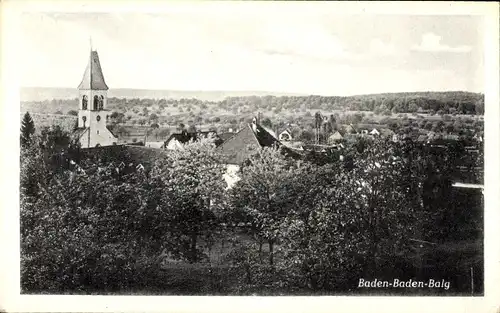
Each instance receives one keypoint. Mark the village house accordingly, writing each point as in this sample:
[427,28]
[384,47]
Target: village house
[178,140]
[335,137]
[350,129]
[244,143]
[240,147]
[285,135]
[375,132]
[92,114]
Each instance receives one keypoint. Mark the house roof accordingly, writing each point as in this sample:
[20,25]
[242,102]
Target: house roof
[226,136]
[265,137]
[240,146]
[185,137]
[93,78]
[349,127]
[286,130]
[112,133]
[386,132]
[244,143]
[336,135]
[78,133]
[422,138]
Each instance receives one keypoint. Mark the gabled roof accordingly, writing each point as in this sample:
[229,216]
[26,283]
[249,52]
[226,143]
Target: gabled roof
[78,133]
[93,79]
[226,136]
[239,147]
[185,137]
[386,132]
[244,143]
[335,135]
[264,136]
[112,133]
[286,130]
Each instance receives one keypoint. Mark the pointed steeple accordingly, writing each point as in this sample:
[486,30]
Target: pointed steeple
[93,79]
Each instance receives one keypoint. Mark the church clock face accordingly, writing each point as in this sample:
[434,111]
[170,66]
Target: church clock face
[98,118]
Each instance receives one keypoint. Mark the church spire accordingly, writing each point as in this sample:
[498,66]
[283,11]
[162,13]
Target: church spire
[93,78]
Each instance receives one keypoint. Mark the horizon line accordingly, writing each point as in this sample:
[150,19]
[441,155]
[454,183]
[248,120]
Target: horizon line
[267,91]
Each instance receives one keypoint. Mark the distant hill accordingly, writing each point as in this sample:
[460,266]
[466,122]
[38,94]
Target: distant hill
[43,93]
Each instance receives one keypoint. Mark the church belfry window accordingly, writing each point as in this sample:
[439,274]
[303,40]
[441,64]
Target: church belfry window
[84,102]
[101,102]
[96,103]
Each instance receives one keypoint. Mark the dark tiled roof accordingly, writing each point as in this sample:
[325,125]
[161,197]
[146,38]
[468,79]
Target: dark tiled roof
[93,77]
[226,136]
[185,137]
[264,137]
[78,133]
[239,147]
[112,133]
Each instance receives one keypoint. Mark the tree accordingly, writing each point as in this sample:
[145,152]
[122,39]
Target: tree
[96,226]
[267,122]
[348,222]
[27,129]
[191,185]
[259,198]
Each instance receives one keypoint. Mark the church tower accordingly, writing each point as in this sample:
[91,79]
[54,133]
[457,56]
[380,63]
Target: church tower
[92,113]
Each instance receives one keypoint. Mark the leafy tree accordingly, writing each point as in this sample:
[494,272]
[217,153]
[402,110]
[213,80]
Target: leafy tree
[27,129]
[85,229]
[191,185]
[259,197]
[267,122]
[345,222]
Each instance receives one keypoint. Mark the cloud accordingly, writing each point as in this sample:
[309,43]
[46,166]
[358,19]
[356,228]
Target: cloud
[432,43]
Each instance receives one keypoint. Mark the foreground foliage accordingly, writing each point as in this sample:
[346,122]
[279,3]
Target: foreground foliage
[286,226]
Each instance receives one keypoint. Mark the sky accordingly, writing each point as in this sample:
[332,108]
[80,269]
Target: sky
[314,51]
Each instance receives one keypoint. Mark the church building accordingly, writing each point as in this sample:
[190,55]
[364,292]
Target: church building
[92,114]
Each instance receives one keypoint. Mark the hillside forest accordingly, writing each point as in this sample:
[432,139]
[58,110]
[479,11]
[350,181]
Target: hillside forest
[458,113]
